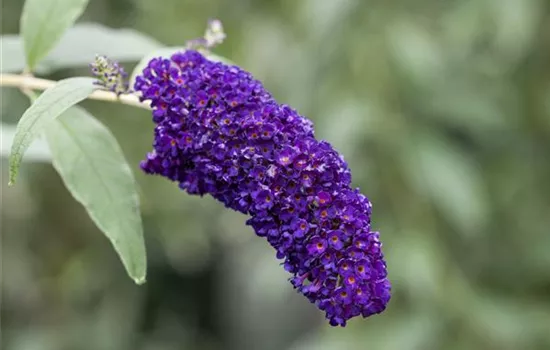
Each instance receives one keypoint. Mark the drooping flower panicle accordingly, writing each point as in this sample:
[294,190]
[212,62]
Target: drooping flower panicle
[219,132]
[110,74]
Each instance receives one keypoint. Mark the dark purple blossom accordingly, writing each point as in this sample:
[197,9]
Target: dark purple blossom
[323,198]
[285,156]
[219,132]
[316,246]
[336,239]
[299,227]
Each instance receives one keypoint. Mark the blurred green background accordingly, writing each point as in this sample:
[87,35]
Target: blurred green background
[441,108]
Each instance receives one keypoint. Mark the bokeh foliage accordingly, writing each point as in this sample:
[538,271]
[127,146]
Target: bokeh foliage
[442,109]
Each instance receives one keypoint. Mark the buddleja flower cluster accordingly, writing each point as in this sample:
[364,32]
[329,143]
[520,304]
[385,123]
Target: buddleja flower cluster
[110,75]
[219,132]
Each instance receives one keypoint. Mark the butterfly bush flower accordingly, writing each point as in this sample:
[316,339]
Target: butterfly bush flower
[220,132]
[110,74]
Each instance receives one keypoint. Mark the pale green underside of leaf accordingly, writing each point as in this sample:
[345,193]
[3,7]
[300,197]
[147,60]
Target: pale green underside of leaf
[43,111]
[12,57]
[38,151]
[44,22]
[78,47]
[91,163]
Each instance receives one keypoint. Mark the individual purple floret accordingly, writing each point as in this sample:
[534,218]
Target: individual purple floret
[110,75]
[219,132]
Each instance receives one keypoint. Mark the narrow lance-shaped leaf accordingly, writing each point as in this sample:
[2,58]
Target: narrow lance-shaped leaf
[78,46]
[37,152]
[43,111]
[91,163]
[43,22]
[11,54]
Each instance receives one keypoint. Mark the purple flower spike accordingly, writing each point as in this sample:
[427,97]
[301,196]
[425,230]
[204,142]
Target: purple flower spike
[220,132]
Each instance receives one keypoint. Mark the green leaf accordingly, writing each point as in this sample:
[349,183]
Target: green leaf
[78,47]
[43,111]
[166,52]
[43,22]
[81,43]
[440,171]
[12,55]
[91,163]
[37,152]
